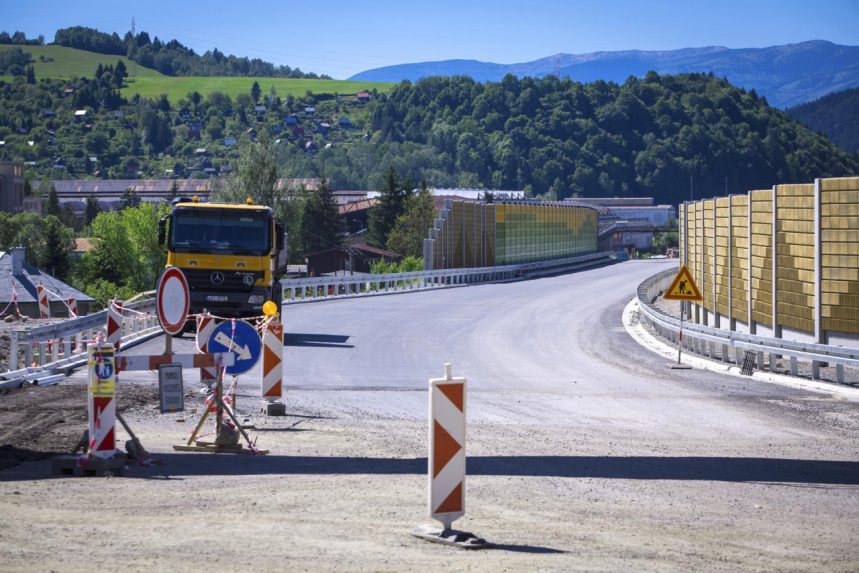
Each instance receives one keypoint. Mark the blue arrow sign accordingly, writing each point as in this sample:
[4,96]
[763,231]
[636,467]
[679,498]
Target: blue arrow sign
[243,341]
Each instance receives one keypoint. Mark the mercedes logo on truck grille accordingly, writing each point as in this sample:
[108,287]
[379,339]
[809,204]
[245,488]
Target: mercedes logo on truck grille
[217,278]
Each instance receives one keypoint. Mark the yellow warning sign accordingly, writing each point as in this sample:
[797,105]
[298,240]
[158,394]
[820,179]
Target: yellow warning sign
[683,287]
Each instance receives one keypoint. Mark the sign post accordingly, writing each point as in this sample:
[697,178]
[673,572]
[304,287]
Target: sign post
[172,303]
[683,288]
[240,338]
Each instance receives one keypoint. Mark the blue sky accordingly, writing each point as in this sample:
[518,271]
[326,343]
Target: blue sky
[342,38]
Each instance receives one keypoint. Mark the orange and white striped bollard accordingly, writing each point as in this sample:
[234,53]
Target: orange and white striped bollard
[272,361]
[447,448]
[73,307]
[446,462]
[44,304]
[114,323]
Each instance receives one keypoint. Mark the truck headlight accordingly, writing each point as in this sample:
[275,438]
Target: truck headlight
[256,299]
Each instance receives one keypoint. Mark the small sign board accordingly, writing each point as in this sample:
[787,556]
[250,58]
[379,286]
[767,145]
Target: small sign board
[170,388]
[241,339]
[683,287]
[172,300]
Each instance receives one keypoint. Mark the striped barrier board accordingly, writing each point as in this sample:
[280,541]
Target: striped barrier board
[101,391]
[44,304]
[114,323]
[73,307]
[272,361]
[205,325]
[144,362]
[447,448]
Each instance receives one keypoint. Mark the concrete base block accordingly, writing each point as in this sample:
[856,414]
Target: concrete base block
[95,467]
[273,408]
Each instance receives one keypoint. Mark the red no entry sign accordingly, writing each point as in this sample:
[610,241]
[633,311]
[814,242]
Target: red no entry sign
[172,300]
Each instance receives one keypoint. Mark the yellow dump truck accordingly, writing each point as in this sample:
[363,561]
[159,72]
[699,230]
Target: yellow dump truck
[230,253]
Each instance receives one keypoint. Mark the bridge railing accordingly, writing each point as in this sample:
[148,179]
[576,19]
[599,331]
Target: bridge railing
[730,346]
[318,288]
[63,344]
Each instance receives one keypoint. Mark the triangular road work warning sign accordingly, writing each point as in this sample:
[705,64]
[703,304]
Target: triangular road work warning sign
[683,287]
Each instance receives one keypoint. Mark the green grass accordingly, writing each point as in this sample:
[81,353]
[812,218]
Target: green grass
[179,87]
[65,63]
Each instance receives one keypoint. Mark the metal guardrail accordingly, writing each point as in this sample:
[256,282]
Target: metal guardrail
[316,288]
[62,345]
[703,339]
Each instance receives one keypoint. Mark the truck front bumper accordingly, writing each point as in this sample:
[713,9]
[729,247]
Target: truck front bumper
[230,304]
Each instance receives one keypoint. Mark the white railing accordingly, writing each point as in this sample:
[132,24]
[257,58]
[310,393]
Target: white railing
[61,346]
[730,346]
[319,288]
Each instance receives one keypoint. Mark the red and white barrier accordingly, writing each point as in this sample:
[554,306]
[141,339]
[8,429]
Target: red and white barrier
[205,325]
[44,305]
[272,361]
[73,307]
[114,323]
[447,448]
[143,362]
[101,365]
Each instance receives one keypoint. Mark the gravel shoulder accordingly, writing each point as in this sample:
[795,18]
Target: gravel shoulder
[605,461]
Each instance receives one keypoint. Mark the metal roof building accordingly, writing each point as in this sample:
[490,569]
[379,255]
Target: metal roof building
[18,282]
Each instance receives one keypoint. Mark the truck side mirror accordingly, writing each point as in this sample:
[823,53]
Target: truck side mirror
[162,231]
[279,233]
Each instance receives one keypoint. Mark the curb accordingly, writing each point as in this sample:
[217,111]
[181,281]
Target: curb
[658,346]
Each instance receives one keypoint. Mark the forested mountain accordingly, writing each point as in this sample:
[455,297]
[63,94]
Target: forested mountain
[786,75]
[554,138]
[172,58]
[836,115]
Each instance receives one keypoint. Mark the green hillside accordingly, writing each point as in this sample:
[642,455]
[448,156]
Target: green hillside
[176,88]
[836,115]
[57,62]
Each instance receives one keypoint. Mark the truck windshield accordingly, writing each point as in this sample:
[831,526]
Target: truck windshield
[227,231]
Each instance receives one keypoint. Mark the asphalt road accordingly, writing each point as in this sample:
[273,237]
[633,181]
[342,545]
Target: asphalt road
[547,351]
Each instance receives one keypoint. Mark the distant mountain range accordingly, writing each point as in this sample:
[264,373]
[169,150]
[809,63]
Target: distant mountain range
[786,75]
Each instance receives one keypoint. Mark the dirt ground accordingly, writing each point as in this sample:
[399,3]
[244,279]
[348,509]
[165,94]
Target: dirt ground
[40,422]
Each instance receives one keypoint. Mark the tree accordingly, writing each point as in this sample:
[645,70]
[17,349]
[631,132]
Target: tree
[256,92]
[126,252]
[120,72]
[254,175]
[322,226]
[129,199]
[412,227]
[52,204]
[384,214]
[31,75]
[53,251]
[91,210]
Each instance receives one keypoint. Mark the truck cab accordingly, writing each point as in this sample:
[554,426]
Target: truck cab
[230,253]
